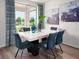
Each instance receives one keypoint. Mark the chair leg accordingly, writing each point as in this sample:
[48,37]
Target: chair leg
[56,52]
[21,54]
[60,48]
[47,56]
[16,53]
[53,53]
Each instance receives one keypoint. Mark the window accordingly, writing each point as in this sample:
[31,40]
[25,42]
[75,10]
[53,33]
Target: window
[20,17]
[32,14]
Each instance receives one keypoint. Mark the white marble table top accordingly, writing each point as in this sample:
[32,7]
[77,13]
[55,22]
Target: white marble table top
[29,36]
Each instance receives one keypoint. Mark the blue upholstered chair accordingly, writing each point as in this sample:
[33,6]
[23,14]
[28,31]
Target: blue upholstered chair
[53,28]
[50,43]
[21,45]
[59,39]
[26,29]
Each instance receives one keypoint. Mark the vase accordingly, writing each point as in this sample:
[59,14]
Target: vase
[33,28]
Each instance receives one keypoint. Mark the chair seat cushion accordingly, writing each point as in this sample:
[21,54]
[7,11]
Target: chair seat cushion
[43,44]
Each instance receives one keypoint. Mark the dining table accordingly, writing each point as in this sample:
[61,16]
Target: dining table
[35,38]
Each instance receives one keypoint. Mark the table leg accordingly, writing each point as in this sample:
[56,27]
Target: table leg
[35,49]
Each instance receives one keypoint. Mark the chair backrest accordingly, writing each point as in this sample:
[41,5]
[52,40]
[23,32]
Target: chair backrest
[51,40]
[59,38]
[53,28]
[18,41]
[26,29]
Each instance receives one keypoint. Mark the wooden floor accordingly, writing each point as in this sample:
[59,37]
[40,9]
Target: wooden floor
[69,53]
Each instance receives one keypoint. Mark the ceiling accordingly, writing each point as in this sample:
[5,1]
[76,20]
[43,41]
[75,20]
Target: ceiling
[38,1]
[19,6]
[41,1]
[22,5]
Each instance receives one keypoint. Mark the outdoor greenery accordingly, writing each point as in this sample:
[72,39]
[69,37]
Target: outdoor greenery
[19,21]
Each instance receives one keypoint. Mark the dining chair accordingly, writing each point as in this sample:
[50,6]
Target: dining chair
[53,28]
[21,45]
[26,29]
[50,43]
[59,39]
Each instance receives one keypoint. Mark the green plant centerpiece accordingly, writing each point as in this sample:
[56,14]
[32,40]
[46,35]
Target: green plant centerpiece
[32,23]
[41,22]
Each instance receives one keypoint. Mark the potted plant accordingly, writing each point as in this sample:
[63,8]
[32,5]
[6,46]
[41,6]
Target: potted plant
[41,22]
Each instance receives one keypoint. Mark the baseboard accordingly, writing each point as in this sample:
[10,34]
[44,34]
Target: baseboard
[71,46]
[1,46]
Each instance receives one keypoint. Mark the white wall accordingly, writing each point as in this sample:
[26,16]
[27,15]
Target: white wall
[2,24]
[71,36]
